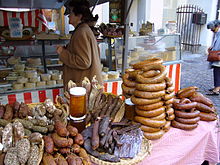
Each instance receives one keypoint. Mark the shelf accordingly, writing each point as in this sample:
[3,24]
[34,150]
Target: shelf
[55,65]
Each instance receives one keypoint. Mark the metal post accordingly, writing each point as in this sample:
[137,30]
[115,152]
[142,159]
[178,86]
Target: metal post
[125,39]
[97,1]
[44,57]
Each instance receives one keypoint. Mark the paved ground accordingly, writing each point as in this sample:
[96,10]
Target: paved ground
[196,72]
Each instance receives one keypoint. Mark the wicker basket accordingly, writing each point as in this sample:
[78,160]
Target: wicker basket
[146,147]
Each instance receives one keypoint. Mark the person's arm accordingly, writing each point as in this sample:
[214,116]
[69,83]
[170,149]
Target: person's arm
[82,58]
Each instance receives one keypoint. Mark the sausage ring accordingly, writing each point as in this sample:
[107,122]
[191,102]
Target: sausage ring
[144,63]
[150,73]
[207,116]
[149,129]
[171,117]
[150,106]
[186,115]
[133,74]
[151,113]
[150,122]
[179,125]
[127,90]
[152,80]
[141,101]
[170,89]
[170,101]
[185,89]
[149,95]
[167,126]
[204,108]
[154,135]
[169,111]
[151,87]
[159,117]
[185,106]
[198,97]
[169,96]
[188,121]
[186,93]
[127,82]
[169,82]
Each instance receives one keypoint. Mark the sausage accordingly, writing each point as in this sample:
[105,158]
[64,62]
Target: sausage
[154,135]
[73,131]
[169,96]
[169,111]
[95,135]
[186,115]
[151,87]
[150,122]
[61,128]
[185,89]
[185,101]
[48,144]
[159,117]
[170,89]
[150,106]
[149,95]
[127,82]
[60,141]
[149,129]
[186,93]
[183,106]
[204,108]
[170,101]
[151,113]
[144,63]
[169,82]
[152,80]
[8,115]
[171,117]
[133,73]
[207,116]
[127,90]
[142,101]
[167,126]
[188,121]
[198,97]
[150,73]
[78,139]
[179,125]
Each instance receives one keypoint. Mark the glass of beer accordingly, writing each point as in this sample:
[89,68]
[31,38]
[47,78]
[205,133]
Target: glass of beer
[78,107]
[129,109]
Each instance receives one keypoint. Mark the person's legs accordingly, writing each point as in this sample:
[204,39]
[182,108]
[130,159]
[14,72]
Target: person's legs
[216,74]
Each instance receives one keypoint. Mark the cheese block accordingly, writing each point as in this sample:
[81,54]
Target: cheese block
[59,81]
[45,77]
[41,83]
[56,76]
[34,79]
[18,86]
[30,73]
[22,80]
[113,75]
[51,82]
[30,85]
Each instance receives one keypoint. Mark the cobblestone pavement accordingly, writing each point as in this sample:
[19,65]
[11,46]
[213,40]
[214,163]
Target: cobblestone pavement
[196,72]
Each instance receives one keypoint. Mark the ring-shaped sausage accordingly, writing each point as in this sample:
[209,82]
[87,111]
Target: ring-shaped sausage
[169,96]
[169,82]
[149,129]
[144,63]
[159,117]
[150,122]
[151,113]
[186,115]
[142,101]
[185,106]
[149,95]
[150,106]
[188,121]
[171,117]
[151,87]
[152,80]
[127,90]
[154,135]
[207,116]
[167,126]
[150,73]
[179,125]
[127,82]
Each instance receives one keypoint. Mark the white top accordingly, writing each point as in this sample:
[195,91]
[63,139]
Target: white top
[78,91]
[128,101]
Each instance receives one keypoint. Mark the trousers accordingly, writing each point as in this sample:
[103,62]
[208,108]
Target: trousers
[216,74]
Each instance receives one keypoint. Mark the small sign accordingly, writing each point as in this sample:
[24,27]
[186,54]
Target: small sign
[16,27]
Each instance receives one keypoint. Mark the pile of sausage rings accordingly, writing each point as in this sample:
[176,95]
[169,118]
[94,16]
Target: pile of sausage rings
[157,107]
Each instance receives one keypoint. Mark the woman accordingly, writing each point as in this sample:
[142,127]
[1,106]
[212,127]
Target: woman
[214,26]
[81,57]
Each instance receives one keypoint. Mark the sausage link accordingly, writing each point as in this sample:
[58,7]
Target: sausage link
[149,129]
[179,125]
[198,97]
[154,135]
[141,101]
[151,87]
[149,95]
[150,106]
[169,96]
[127,82]
[186,115]
[150,122]
[151,113]
[188,121]
[207,116]
[204,108]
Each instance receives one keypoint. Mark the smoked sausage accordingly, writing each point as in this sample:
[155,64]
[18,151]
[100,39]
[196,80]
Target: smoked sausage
[179,125]
[151,113]
[142,101]
[150,106]
[151,87]
[207,116]
[150,122]
[149,95]
[186,115]
[154,135]
[188,121]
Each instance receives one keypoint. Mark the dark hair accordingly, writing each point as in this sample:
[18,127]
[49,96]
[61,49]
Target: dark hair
[81,7]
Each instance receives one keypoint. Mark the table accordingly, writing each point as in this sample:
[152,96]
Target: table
[180,147]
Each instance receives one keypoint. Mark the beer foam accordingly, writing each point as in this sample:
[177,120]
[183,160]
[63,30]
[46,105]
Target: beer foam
[78,91]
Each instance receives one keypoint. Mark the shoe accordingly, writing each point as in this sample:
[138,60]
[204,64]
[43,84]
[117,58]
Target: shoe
[213,93]
[211,89]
